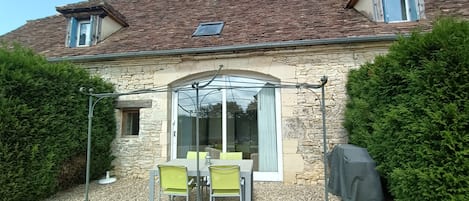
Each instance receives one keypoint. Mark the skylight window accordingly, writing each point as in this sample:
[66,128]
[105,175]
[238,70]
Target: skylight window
[209,29]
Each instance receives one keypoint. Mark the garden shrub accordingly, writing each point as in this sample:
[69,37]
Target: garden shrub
[410,109]
[43,125]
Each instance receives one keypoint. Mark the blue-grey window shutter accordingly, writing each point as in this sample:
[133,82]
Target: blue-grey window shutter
[413,9]
[92,29]
[385,12]
[73,32]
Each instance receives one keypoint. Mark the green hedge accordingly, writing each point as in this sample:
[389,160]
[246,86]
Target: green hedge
[43,125]
[410,108]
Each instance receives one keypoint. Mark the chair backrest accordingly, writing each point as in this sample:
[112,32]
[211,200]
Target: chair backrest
[172,176]
[231,156]
[225,177]
[193,155]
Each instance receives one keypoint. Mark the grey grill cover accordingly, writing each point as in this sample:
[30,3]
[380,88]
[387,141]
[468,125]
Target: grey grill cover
[353,175]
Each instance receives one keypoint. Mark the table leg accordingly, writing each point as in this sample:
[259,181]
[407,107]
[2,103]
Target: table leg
[152,185]
[248,184]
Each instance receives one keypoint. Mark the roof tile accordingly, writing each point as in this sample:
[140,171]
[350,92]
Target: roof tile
[169,24]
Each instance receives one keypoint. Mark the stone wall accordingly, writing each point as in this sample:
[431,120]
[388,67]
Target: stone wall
[301,113]
[302,131]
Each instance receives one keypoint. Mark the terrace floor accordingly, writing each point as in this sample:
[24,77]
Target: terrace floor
[135,189]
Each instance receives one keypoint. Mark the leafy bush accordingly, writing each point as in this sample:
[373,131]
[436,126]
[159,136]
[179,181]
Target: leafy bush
[43,125]
[410,108]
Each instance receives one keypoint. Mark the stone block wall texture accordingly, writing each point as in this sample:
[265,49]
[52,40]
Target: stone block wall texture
[301,116]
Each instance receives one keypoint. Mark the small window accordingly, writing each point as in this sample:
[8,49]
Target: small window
[130,122]
[400,10]
[209,29]
[84,33]
[79,32]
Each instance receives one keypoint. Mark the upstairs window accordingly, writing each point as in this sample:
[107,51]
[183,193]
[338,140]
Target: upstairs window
[90,22]
[80,32]
[84,29]
[400,10]
[209,29]
[390,11]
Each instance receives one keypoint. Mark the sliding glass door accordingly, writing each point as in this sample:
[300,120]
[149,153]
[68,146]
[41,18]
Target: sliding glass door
[236,114]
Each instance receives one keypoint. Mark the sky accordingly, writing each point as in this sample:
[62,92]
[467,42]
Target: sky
[15,13]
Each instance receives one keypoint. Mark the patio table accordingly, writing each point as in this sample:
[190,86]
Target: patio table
[245,168]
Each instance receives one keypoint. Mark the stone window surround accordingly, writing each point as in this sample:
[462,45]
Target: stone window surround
[131,106]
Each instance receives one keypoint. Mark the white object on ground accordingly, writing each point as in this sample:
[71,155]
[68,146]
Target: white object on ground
[107,180]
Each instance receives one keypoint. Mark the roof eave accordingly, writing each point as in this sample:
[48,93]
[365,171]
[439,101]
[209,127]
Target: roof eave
[231,48]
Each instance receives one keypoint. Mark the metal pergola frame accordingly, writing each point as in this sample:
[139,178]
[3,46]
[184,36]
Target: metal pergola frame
[94,98]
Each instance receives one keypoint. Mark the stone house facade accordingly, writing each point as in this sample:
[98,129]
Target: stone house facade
[301,117]
[267,50]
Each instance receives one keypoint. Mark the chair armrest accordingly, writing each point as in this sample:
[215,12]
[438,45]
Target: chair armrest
[242,181]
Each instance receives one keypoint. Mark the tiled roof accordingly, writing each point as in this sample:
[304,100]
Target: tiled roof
[168,24]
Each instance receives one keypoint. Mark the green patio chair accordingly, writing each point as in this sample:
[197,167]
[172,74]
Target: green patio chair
[231,156]
[174,181]
[193,155]
[225,181]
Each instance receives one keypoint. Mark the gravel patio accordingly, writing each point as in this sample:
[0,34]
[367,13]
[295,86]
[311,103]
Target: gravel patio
[136,189]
